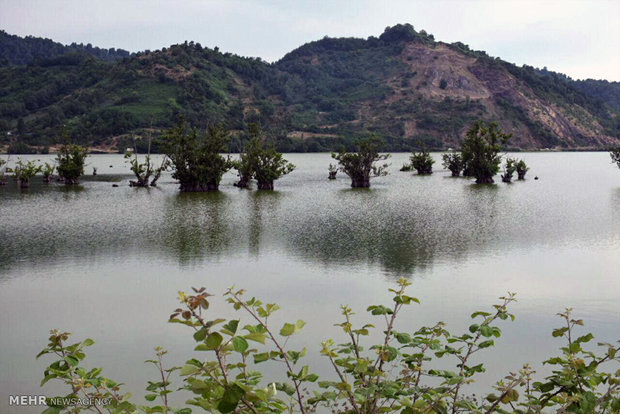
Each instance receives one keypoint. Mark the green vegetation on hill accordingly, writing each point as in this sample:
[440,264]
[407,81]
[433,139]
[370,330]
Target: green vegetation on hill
[403,86]
[15,50]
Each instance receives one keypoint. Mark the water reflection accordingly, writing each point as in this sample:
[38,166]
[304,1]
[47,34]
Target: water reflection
[402,225]
[195,225]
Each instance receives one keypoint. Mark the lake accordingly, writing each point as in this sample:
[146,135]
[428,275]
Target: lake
[106,263]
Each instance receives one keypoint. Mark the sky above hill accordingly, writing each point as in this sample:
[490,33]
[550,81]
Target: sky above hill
[575,37]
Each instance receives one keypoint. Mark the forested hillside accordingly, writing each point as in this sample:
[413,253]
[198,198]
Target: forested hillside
[15,50]
[403,86]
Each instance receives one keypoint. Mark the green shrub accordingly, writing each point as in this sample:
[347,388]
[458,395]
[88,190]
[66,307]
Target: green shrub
[509,170]
[453,162]
[390,375]
[361,165]
[71,159]
[422,162]
[24,171]
[522,168]
[196,161]
[480,150]
[615,156]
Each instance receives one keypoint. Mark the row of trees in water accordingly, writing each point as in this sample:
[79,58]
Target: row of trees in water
[479,157]
[70,161]
[197,162]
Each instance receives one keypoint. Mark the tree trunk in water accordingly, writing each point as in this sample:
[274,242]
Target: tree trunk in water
[265,185]
[521,176]
[332,175]
[24,183]
[47,179]
[71,181]
[242,183]
[506,178]
[456,173]
[360,183]
[484,180]
[198,188]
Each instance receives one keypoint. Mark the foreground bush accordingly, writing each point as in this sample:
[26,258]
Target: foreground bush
[395,374]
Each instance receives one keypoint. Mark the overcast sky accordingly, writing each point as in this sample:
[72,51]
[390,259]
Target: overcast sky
[579,38]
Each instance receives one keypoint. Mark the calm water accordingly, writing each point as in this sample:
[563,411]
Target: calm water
[106,262]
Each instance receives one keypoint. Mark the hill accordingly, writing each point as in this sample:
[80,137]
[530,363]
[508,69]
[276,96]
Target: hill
[403,86]
[15,50]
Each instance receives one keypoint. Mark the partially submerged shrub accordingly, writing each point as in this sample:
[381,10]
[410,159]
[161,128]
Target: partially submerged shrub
[392,374]
[422,162]
[2,171]
[522,168]
[362,165]
[615,156]
[453,162]
[269,166]
[509,170]
[24,171]
[333,170]
[71,159]
[481,148]
[147,173]
[47,170]
[260,161]
[196,160]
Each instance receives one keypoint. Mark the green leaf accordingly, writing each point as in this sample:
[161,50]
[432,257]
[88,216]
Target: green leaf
[231,326]
[403,338]
[486,331]
[150,397]
[232,394]
[256,337]
[187,370]
[213,341]
[289,329]
[88,342]
[240,344]
[200,334]
[262,357]
[486,344]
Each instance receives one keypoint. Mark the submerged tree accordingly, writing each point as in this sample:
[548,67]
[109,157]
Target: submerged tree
[144,171]
[261,162]
[24,171]
[269,166]
[615,156]
[71,159]
[522,168]
[47,170]
[2,171]
[422,162]
[509,170]
[245,165]
[196,160]
[453,162]
[333,170]
[361,165]
[481,148]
